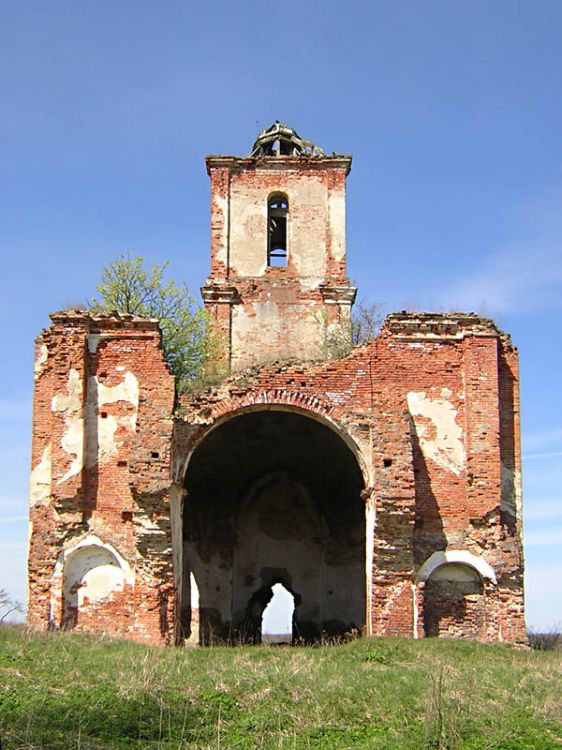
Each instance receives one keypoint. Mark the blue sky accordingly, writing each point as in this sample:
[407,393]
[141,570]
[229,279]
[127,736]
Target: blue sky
[451,110]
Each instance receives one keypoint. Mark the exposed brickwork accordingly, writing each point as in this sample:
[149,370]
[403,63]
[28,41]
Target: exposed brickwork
[397,468]
[102,433]
[429,492]
[286,311]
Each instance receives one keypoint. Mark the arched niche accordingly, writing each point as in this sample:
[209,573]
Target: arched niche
[274,496]
[454,594]
[90,573]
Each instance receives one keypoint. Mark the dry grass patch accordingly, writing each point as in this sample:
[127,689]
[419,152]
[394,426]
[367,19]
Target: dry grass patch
[63,691]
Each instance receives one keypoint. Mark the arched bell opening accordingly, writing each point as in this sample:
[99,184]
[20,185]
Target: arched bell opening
[273,496]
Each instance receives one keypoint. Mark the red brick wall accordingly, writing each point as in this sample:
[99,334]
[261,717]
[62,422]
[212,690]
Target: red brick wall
[103,408]
[265,312]
[429,408]
[434,477]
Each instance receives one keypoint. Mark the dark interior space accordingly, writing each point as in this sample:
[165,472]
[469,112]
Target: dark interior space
[274,497]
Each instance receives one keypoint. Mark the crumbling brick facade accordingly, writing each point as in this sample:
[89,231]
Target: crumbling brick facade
[382,488]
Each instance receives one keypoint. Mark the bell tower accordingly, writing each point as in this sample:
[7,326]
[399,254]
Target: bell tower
[278,282]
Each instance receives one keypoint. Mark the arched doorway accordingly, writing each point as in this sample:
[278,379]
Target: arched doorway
[273,496]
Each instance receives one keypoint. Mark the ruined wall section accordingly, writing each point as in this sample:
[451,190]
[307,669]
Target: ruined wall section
[341,394]
[266,312]
[431,409]
[452,372]
[100,543]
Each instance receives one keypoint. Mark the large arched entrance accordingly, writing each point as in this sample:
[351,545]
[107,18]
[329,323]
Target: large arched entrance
[273,496]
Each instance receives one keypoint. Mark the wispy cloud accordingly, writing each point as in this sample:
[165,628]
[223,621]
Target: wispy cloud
[542,438]
[518,278]
[545,537]
[543,509]
[548,454]
[12,506]
[13,519]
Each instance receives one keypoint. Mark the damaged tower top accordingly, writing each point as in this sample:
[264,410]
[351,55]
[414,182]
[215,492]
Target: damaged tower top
[278,286]
[282,140]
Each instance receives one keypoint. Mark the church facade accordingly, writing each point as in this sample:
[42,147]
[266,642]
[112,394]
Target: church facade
[380,487]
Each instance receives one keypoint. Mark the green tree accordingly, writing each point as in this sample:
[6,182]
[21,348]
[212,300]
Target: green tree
[364,325]
[126,286]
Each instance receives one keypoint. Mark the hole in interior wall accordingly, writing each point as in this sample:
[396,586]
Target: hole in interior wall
[277,619]
[387,462]
[155,454]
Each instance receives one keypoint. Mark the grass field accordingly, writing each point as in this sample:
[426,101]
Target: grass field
[68,691]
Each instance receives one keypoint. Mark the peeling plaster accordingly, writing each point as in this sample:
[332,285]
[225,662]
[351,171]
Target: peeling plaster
[93,342]
[310,282]
[370,519]
[459,557]
[438,432]
[90,569]
[90,575]
[72,441]
[40,360]
[220,208]
[40,480]
[147,524]
[415,611]
[102,444]
[194,592]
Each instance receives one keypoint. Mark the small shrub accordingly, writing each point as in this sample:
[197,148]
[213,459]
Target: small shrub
[376,657]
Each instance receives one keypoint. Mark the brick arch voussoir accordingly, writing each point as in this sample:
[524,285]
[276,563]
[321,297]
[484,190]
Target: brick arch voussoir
[275,398]
[272,397]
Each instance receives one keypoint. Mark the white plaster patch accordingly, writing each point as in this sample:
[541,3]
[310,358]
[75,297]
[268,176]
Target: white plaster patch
[311,282]
[70,404]
[510,491]
[455,572]
[147,524]
[88,569]
[194,592]
[40,480]
[438,432]
[221,206]
[102,445]
[93,342]
[40,360]
[458,558]
[370,518]
[71,400]
[91,573]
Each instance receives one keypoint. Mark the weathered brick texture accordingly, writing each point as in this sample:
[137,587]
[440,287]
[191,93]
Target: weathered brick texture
[382,489]
[101,452]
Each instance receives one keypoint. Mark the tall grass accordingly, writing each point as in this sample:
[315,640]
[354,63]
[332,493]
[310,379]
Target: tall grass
[68,691]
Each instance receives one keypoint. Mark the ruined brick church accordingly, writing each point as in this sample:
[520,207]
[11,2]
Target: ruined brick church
[381,489]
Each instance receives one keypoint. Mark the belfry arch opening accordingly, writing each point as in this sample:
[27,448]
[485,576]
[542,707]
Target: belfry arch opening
[272,497]
[277,217]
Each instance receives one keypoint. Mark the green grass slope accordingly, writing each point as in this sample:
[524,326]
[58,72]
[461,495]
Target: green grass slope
[68,691]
